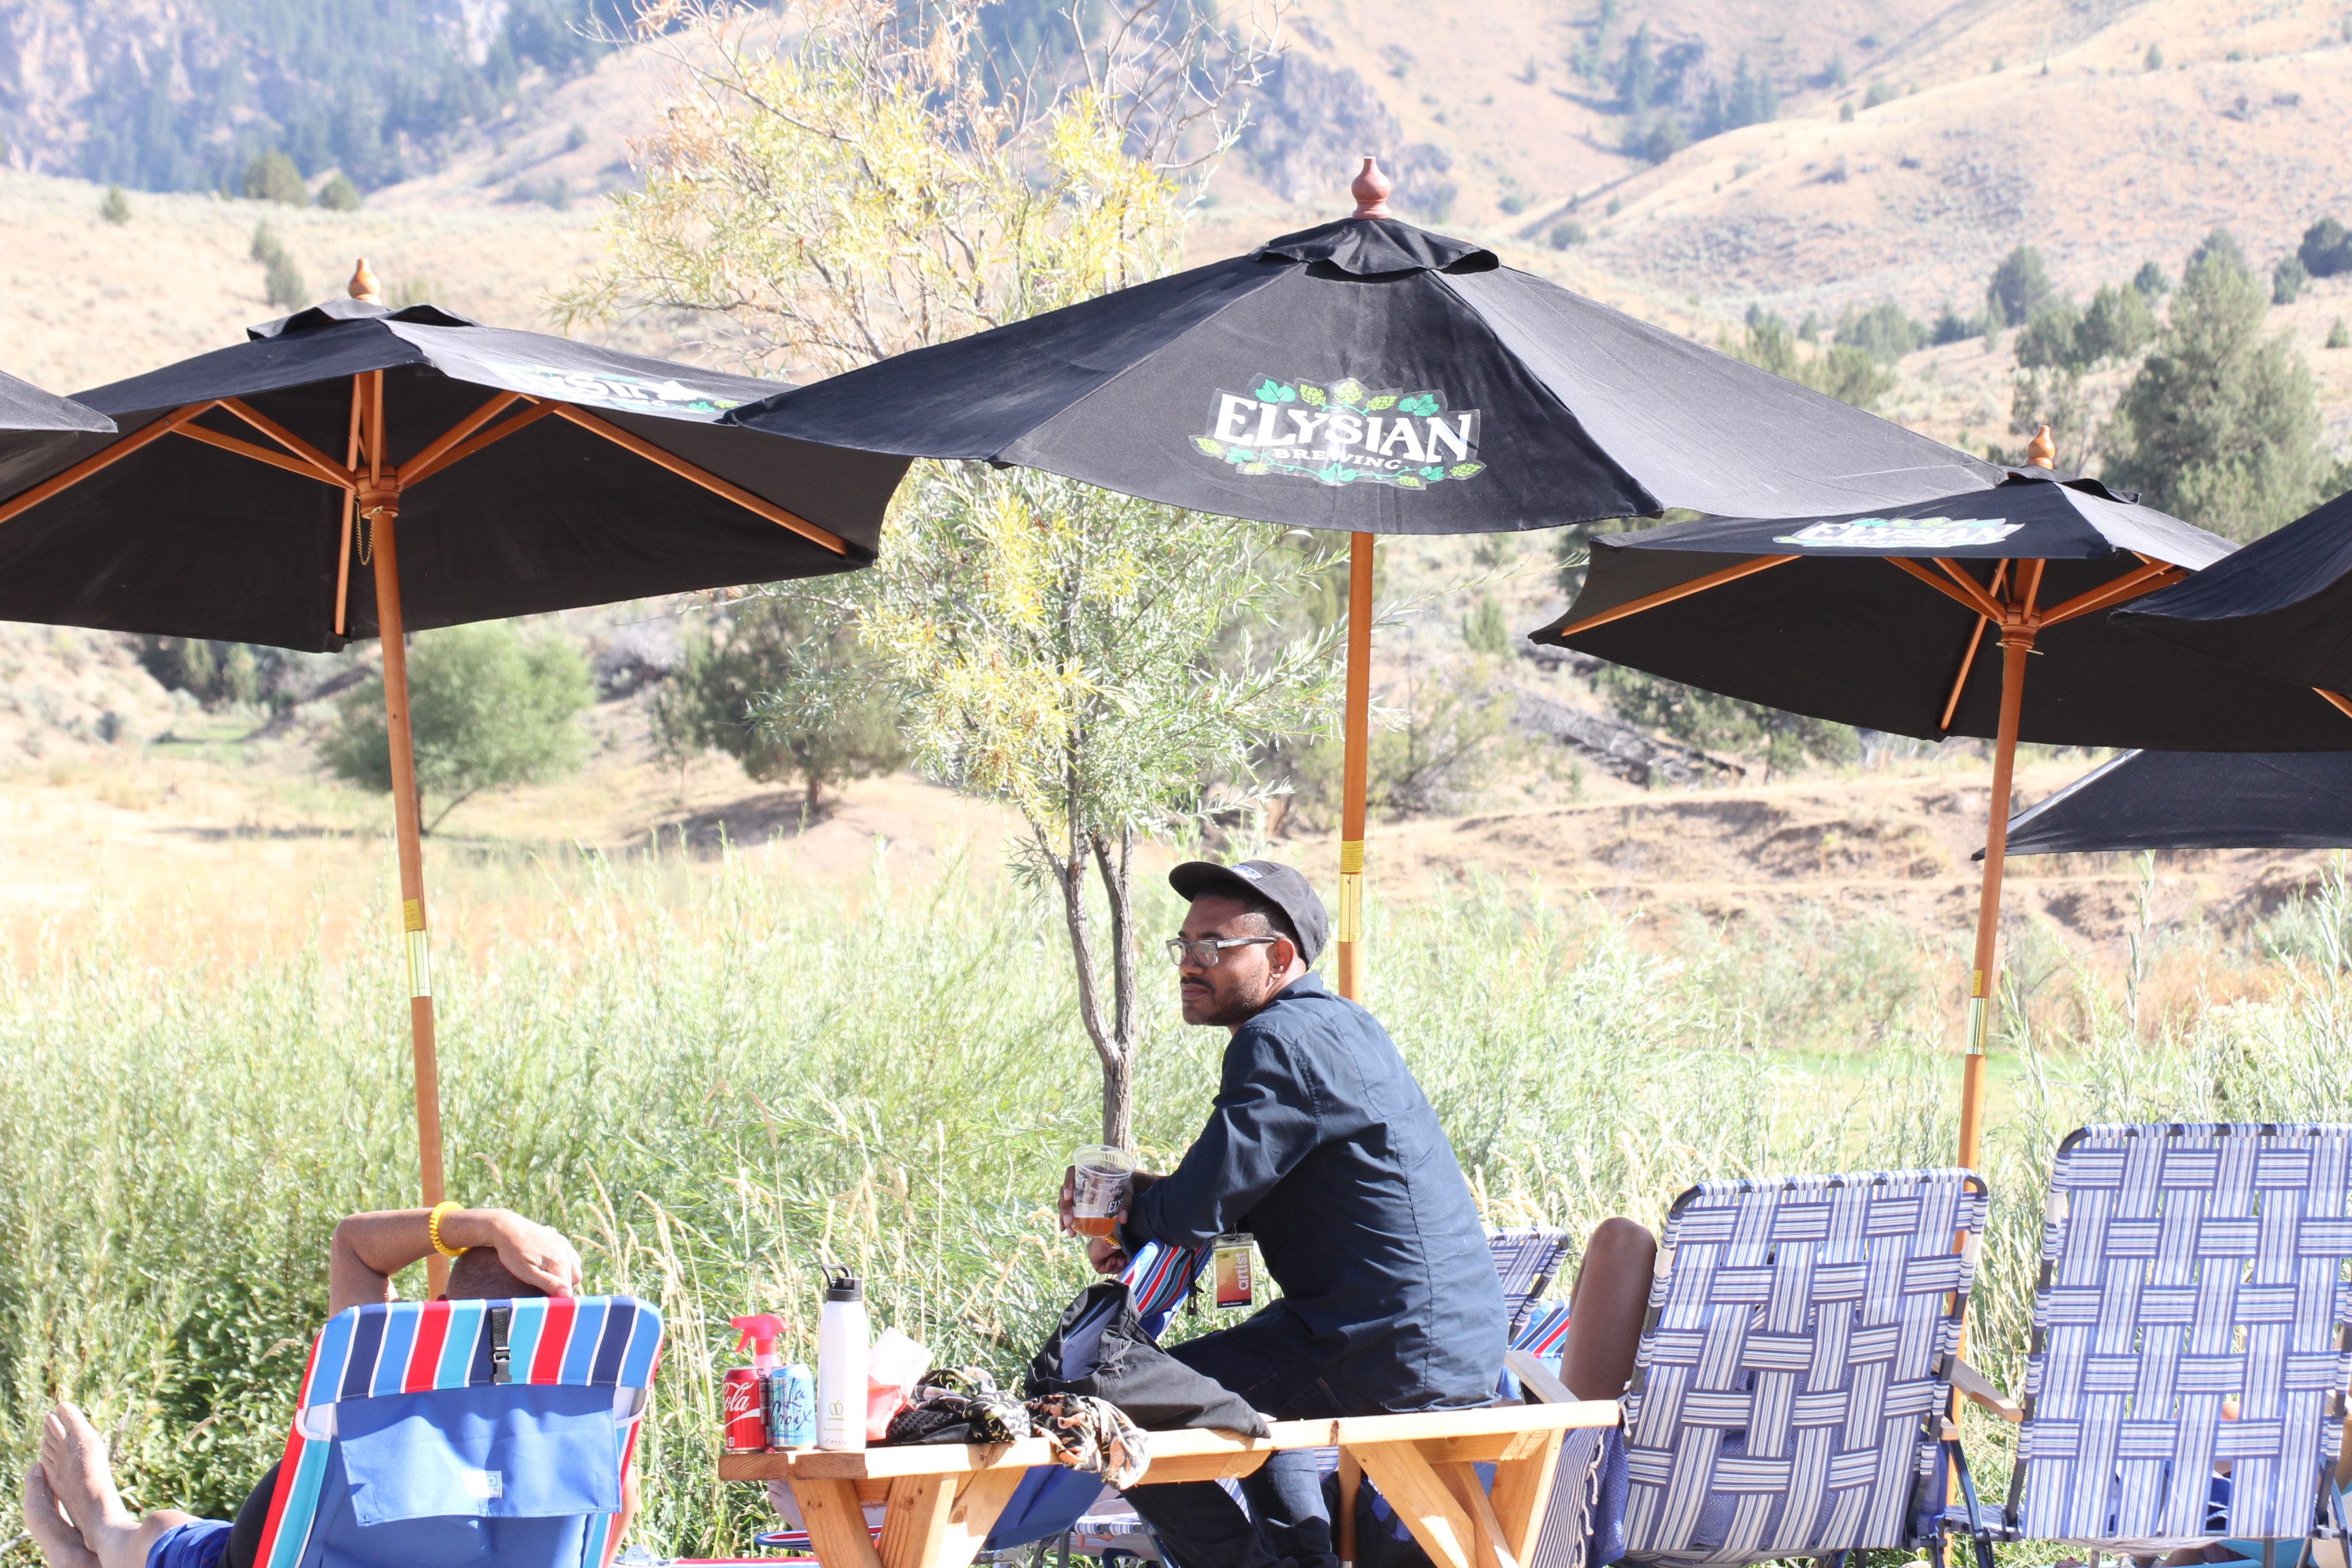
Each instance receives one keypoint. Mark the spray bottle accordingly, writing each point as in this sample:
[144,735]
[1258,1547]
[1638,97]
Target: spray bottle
[745,1388]
[842,1341]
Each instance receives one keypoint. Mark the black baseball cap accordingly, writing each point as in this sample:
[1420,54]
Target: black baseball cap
[1278,885]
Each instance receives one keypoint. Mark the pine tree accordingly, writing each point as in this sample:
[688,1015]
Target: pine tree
[2220,424]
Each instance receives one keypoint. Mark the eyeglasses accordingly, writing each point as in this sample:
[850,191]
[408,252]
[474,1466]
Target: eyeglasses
[1203,952]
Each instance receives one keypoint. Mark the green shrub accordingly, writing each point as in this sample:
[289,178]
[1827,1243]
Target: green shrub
[1882,331]
[115,208]
[717,699]
[488,708]
[2326,249]
[2048,337]
[2287,278]
[2019,286]
[338,194]
[272,177]
[281,279]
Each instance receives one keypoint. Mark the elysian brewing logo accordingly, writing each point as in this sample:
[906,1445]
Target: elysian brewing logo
[1343,434]
[1904,532]
[617,389]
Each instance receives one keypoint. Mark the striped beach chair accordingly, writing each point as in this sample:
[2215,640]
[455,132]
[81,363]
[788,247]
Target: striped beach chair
[444,1433]
[2194,1312]
[1789,1395]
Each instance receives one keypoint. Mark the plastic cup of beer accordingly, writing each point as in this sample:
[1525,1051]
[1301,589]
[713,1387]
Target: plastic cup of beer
[1101,1177]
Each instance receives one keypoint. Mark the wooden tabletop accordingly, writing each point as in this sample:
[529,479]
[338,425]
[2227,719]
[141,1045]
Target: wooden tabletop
[1489,1426]
[941,1500]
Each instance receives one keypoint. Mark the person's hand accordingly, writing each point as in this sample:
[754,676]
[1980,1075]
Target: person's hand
[1069,1200]
[1107,1255]
[536,1253]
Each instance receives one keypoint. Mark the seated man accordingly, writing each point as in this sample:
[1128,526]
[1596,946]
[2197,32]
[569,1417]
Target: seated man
[1321,1144]
[71,1507]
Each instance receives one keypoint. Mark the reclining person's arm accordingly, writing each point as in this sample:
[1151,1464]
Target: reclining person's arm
[369,1248]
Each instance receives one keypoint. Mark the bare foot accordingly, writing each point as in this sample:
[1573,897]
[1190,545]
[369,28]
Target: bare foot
[74,1455]
[57,1537]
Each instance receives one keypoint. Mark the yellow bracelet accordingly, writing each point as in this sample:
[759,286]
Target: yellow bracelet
[433,1229]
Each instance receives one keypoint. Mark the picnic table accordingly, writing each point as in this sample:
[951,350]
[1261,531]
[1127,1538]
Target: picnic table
[943,1499]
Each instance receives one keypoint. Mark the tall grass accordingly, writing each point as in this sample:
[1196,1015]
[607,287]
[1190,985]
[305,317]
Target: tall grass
[712,1082]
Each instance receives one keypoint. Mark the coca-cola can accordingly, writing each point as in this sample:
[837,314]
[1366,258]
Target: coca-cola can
[743,1407]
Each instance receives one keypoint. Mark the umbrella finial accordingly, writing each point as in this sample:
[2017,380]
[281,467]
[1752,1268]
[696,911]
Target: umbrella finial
[363,284]
[2042,451]
[1371,190]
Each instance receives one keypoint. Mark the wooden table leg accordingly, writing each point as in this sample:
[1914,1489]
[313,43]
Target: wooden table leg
[977,1505]
[836,1525]
[1489,1549]
[915,1520]
[1522,1493]
[1422,1499]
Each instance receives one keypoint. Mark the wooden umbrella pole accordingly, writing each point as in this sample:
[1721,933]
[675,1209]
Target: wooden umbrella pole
[2016,645]
[379,506]
[1353,776]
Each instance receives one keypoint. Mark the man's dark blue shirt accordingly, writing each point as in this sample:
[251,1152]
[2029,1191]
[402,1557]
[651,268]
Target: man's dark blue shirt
[1323,1146]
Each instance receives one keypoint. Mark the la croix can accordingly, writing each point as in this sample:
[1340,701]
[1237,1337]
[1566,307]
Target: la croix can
[743,1412]
[792,1407]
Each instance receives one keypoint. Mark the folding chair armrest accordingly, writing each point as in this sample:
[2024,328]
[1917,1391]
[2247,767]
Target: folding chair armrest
[1981,1392]
[1537,1382]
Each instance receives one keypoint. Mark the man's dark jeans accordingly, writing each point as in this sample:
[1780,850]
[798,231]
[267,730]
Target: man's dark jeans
[1202,1527]
[1267,1363]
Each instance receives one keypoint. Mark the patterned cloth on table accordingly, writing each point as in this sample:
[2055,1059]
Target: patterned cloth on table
[445,1432]
[2183,1265]
[1787,1398]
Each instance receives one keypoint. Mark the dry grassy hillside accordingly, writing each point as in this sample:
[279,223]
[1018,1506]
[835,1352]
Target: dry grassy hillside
[2073,145]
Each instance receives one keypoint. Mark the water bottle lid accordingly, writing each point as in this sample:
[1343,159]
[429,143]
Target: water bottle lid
[844,1287]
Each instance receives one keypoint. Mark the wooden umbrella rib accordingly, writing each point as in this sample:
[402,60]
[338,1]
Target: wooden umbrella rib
[248,450]
[329,469]
[2336,699]
[436,457]
[1985,601]
[350,504]
[100,459]
[1679,590]
[462,450]
[2131,585]
[1976,604]
[1968,659]
[709,482]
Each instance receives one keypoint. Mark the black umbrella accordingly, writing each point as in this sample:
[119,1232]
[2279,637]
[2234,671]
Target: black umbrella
[526,473]
[2282,605]
[1372,377]
[2195,800]
[1879,620]
[40,430]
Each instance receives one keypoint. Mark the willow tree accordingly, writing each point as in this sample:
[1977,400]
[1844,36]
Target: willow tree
[848,179]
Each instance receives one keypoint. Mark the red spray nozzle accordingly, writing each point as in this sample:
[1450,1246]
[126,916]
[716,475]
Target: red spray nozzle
[759,1334]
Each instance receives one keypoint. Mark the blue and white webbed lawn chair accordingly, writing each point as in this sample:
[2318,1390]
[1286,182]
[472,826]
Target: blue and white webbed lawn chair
[2188,1272]
[447,1433]
[1788,1396]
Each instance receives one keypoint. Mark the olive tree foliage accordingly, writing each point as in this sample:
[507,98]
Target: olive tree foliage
[849,179]
[832,182]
